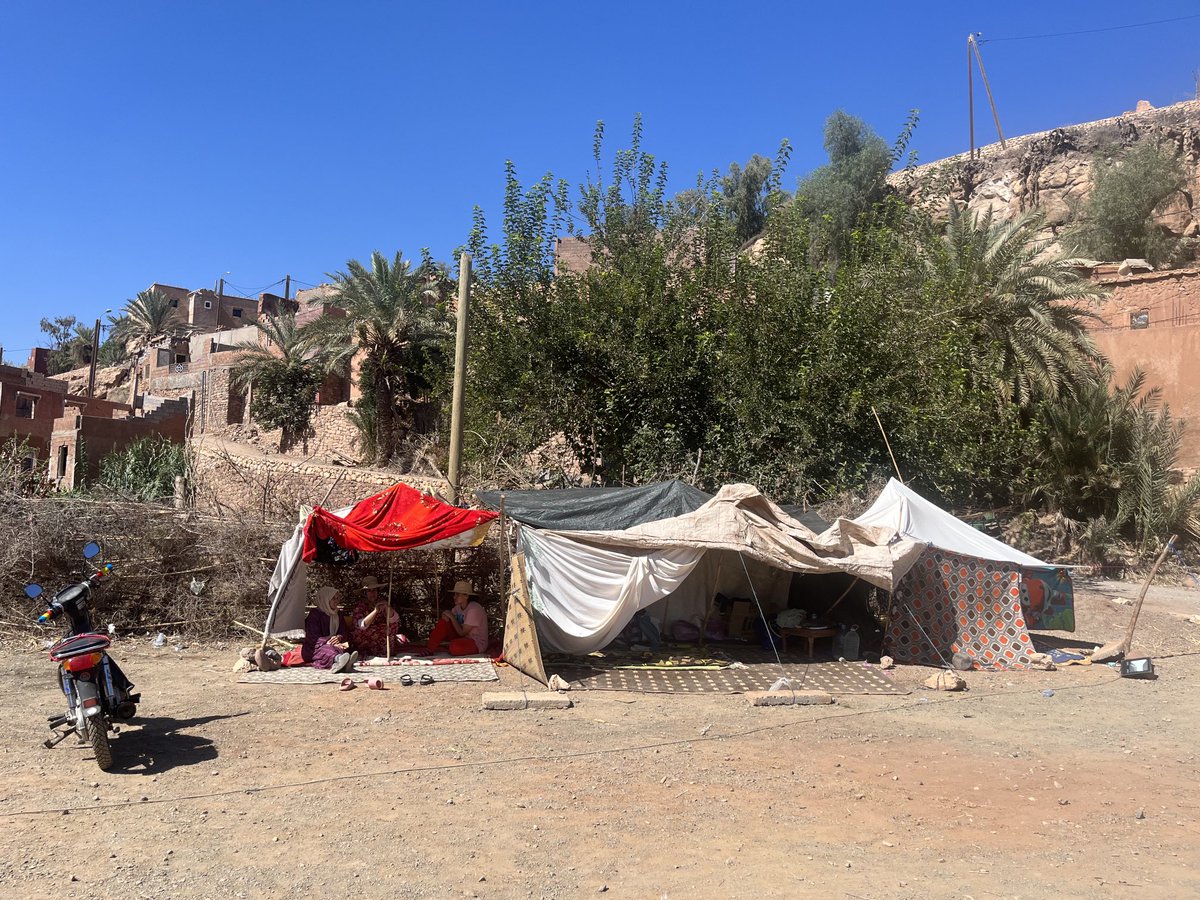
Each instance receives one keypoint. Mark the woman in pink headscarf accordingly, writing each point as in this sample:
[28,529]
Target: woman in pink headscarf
[327,634]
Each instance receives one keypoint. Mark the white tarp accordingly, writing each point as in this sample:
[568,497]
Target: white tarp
[587,585]
[904,512]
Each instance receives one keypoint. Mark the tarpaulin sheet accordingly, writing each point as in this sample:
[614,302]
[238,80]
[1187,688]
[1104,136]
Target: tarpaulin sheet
[400,518]
[599,508]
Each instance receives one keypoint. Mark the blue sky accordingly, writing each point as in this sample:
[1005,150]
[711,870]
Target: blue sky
[178,141]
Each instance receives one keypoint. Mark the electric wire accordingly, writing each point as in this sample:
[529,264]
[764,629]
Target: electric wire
[546,758]
[1058,34]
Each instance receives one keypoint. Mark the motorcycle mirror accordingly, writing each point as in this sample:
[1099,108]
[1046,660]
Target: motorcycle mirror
[33,591]
[91,550]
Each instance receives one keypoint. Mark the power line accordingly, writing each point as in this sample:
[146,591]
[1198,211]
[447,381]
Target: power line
[1057,34]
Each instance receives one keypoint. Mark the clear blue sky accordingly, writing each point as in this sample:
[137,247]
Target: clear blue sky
[178,141]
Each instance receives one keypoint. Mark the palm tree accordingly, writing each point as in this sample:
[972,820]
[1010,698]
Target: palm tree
[147,320]
[396,319]
[285,376]
[1026,307]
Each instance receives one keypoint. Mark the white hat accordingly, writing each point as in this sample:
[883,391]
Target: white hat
[465,587]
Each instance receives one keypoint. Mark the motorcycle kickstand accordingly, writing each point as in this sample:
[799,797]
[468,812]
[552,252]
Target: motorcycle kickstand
[58,738]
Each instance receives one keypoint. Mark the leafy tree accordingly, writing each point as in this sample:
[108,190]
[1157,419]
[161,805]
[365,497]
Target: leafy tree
[747,192]
[855,177]
[70,344]
[283,375]
[1116,221]
[397,319]
[1022,312]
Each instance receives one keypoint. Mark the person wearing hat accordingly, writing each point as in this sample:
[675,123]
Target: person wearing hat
[464,624]
[374,620]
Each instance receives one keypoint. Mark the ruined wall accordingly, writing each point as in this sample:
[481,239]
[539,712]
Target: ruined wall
[1052,169]
[273,488]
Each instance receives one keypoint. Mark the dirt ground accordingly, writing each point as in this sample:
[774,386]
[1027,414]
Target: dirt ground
[231,790]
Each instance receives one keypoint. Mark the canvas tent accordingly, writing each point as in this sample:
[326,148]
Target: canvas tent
[969,592]
[399,518]
[585,584]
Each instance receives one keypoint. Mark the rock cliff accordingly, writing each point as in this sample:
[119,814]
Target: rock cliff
[1052,169]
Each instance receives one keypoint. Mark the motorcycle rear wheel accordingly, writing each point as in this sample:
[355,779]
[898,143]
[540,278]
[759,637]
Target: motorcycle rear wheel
[97,732]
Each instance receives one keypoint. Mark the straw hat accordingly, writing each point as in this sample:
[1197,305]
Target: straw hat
[465,587]
[370,583]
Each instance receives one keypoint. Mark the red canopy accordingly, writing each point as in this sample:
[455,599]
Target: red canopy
[400,518]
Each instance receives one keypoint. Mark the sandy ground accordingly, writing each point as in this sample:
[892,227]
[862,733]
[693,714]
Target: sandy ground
[228,790]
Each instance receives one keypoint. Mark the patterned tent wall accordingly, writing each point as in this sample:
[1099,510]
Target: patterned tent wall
[949,603]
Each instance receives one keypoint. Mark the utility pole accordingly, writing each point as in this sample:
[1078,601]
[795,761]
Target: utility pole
[973,50]
[287,287]
[92,368]
[460,372]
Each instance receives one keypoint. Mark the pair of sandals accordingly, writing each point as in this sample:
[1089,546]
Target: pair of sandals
[344,662]
[407,680]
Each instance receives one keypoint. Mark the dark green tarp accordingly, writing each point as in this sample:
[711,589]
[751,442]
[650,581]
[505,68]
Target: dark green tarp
[597,509]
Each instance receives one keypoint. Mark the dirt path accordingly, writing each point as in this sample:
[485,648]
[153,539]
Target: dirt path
[228,790]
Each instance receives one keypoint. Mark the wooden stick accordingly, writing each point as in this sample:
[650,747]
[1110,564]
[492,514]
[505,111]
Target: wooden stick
[266,637]
[1125,644]
[712,601]
[843,597]
[888,444]
[387,616]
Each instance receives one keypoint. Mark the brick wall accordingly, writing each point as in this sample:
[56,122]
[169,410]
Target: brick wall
[97,436]
[1167,349]
[273,488]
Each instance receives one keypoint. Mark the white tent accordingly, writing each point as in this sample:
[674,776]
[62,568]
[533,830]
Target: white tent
[585,586]
[903,512]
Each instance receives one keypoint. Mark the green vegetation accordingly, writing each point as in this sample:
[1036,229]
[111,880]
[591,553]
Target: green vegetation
[396,318]
[145,470]
[285,376]
[1117,219]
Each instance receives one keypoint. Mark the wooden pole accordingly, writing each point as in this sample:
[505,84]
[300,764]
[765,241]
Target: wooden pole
[712,601]
[888,444]
[92,367]
[987,87]
[387,616]
[971,92]
[460,373]
[1137,608]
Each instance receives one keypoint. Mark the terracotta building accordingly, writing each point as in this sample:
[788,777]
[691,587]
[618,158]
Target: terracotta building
[1151,320]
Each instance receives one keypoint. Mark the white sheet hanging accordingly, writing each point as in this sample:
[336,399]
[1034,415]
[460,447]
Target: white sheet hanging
[585,595]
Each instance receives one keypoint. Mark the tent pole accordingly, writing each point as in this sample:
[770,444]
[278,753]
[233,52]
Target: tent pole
[888,444]
[712,601]
[387,616]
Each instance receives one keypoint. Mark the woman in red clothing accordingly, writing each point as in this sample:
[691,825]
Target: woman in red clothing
[374,621]
[464,625]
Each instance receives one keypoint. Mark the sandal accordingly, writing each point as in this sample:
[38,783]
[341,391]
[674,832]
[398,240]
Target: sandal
[347,684]
[406,680]
[426,678]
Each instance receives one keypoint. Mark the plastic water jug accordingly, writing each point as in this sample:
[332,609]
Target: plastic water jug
[850,643]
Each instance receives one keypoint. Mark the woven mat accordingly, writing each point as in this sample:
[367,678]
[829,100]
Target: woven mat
[834,677]
[476,671]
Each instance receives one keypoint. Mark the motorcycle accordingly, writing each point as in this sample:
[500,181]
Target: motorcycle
[97,691]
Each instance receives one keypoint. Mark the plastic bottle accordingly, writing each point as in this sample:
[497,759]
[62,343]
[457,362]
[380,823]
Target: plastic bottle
[850,643]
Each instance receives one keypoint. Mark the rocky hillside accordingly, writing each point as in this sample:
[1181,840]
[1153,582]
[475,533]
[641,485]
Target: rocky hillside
[1051,168]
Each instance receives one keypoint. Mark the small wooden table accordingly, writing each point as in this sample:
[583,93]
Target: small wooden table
[808,633]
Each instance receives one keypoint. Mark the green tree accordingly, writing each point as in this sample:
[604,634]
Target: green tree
[283,374]
[854,179]
[145,470]
[1116,221]
[396,317]
[1024,312]
[146,321]
[747,193]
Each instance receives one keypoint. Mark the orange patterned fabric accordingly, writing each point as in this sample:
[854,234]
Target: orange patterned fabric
[963,604]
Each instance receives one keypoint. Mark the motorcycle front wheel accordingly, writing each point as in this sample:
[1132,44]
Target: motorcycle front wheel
[97,732]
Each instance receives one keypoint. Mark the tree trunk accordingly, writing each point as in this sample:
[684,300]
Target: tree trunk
[385,426]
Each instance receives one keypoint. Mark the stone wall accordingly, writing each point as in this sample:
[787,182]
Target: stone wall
[230,480]
[1052,169]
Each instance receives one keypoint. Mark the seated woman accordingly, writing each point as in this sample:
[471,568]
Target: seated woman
[374,620]
[464,625]
[326,637]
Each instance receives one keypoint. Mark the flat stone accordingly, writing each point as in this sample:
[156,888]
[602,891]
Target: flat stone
[788,698]
[520,700]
